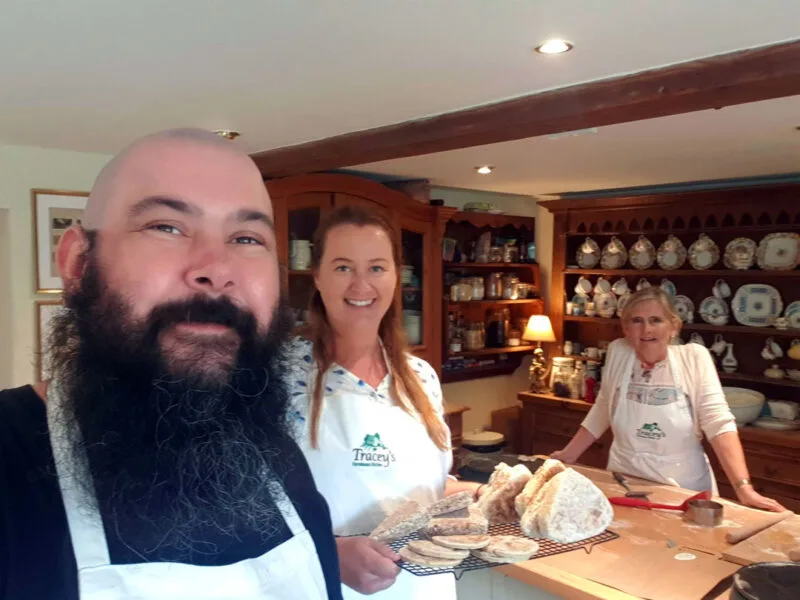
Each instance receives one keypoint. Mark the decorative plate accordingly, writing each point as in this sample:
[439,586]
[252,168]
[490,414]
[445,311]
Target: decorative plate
[588,254]
[668,287]
[740,254]
[614,254]
[606,304]
[671,254]
[703,253]
[623,300]
[756,305]
[779,252]
[792,314]
[642,254]
[684,307]
[714,311]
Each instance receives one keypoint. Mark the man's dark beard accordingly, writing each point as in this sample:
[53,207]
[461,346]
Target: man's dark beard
[178,454]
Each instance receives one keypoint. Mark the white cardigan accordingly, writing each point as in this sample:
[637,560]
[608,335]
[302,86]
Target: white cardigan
[698,379]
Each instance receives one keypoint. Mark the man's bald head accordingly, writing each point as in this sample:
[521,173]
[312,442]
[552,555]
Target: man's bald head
[133,161]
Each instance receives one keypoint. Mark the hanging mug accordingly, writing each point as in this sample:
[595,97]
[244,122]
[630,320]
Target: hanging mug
[794,349]
[583,287]
[643,283]
[603,286]
[620,286]
[696,338]
[719,346]
[721,289]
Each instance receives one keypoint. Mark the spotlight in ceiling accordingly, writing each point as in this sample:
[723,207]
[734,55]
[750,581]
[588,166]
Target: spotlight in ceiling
[484,170]
[228,134]
[554,46]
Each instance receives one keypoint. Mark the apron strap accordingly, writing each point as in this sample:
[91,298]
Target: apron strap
[83,517]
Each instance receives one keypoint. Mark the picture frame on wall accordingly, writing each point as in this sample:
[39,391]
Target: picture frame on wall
[45,311]
[54,211]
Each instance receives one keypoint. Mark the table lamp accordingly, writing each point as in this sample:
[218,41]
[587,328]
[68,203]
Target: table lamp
[539,330]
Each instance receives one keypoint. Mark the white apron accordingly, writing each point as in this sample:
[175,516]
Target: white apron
[658,442]
[372,455]
[271,576]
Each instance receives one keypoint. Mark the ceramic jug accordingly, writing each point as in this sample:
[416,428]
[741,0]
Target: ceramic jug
[729,362]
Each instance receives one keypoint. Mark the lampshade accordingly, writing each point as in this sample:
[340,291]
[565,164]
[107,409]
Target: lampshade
[539,329]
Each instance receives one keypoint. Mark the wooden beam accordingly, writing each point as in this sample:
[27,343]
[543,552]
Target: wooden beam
[715,82]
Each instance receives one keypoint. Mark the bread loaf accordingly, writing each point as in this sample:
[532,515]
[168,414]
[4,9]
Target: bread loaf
[498,503]
[569,508]
[451,503]
[549,469]
[408,518]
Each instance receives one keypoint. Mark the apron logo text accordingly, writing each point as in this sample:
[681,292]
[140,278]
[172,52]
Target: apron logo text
[372,453]
[650,431]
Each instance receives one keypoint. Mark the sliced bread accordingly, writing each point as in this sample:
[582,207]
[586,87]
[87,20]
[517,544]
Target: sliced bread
[408,518]
[497,504]
[550,468]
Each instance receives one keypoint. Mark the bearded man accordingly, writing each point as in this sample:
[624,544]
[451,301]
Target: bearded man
[157,462]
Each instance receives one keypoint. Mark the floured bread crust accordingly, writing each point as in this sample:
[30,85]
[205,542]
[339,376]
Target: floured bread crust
[407,519]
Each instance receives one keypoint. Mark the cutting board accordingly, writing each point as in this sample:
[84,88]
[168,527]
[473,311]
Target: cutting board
[769,545]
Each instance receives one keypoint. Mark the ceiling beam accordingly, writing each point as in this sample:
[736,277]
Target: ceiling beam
[715,82]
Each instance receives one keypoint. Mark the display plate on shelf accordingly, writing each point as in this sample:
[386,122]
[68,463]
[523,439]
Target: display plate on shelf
[642,254]
[779,252]
[671,254]
[605,303]
[714,311]
[740,254]
[703,253]
[588,254]
[614,254]
[683,306]
[756,305]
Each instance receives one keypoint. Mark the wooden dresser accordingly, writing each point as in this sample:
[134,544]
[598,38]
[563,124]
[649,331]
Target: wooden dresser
[773,457]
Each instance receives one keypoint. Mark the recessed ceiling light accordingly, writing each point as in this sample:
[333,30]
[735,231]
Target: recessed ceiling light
[554,46]
[228,134]
[484,170]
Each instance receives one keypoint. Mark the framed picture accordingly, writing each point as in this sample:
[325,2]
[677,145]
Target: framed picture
[45,310]
[53,213]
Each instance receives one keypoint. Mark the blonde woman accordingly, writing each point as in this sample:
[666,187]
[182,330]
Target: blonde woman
[659,400]
[370,414]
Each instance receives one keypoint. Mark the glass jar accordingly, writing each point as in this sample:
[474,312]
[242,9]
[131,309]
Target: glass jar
[496,330]
[511,251]
[510,287]
[494,286]
[563,367]
[478,289]
[473,340]
[514,337]
[496,254]
[576,381]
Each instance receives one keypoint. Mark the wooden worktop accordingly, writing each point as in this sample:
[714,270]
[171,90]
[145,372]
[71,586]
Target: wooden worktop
[648,540]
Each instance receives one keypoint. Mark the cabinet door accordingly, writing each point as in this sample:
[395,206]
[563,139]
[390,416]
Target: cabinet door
[296,218]
[416,282]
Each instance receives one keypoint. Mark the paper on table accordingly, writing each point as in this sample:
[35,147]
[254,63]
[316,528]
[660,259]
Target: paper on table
[660,574]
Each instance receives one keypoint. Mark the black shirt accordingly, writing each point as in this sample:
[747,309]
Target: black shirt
[36,557]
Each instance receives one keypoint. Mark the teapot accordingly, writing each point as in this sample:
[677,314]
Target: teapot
[774,372]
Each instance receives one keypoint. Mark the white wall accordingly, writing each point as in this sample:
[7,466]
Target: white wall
[483,396]
[24,168]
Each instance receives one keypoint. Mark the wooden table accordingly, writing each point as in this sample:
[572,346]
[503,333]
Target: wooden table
[643,534]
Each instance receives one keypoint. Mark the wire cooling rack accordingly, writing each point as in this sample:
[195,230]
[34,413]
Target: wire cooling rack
[473,563]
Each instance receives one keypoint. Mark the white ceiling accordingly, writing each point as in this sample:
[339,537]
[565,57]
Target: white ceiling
[747,140]
[93,74]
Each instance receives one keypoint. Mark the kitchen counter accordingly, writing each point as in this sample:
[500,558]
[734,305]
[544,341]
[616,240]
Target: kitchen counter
[642,557]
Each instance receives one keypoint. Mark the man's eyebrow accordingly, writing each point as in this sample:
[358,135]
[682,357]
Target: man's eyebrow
[151,202]
[246,215]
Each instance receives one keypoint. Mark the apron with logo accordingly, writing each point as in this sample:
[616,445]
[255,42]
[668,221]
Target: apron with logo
[271,576]
[372,456]
[654,437]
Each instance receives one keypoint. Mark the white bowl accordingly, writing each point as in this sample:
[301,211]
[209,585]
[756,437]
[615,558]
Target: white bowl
[745,404]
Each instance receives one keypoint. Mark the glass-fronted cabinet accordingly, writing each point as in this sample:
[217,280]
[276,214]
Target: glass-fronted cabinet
[300,203]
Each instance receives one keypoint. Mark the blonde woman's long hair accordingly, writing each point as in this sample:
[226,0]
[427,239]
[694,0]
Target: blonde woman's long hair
[406,388]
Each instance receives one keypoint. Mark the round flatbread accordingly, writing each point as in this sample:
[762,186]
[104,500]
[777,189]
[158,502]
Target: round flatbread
[511,546]
[427,548]
[462,542]
[493,558]
[427,561]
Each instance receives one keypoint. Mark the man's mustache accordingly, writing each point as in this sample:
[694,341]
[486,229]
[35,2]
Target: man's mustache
[205,310]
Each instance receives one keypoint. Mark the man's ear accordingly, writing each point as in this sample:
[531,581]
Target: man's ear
[71,256]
